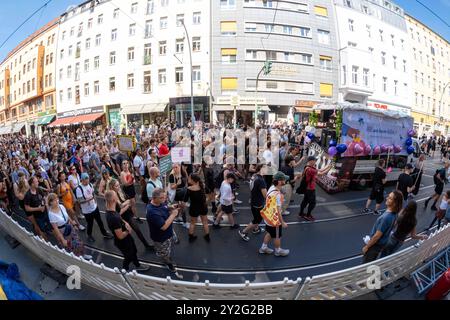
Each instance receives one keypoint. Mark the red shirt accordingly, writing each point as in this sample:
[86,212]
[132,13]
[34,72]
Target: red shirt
[311,176]
[163,150]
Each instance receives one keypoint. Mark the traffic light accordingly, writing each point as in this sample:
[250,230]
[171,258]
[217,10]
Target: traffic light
[267,67]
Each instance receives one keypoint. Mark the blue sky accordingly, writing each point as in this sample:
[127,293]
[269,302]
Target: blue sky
[13,13]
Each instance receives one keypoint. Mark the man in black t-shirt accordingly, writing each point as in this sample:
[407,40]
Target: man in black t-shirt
[257,201]
[287,189]
[440,180]
[36,210]
[377,193]
[405,183]
[122,233]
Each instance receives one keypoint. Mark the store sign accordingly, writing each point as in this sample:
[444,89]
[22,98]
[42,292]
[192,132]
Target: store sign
[46,113]
[306,103]
[283,70]
[384,106]
[81,112]
[238,100]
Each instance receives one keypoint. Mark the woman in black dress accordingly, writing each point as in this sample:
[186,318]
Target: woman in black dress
[198,208]
[124,208]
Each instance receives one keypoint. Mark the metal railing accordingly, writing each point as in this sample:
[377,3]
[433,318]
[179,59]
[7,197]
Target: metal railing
[344,284]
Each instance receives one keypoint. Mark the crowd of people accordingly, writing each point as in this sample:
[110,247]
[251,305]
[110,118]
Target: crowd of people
[56,182]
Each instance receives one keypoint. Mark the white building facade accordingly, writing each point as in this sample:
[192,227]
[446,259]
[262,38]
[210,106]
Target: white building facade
[375,66]
[128,61]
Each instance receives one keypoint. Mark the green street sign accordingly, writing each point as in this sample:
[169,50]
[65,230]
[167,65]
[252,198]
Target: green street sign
[165,164]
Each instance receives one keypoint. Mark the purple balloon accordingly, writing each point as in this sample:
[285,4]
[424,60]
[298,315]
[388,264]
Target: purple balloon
[390,149]
[411,132]
[376,150]
[397,148]
[358,149]
[384,148]
[332,151]
[368,150]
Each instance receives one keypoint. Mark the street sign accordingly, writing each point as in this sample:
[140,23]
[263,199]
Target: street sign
[165,165]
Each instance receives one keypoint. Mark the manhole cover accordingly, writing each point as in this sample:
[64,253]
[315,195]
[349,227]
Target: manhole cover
[48,285]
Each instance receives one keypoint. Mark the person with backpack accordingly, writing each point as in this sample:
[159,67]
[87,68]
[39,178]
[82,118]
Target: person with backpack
[273,218]
[288,170]
[89,208]
[258,193]
[308,187]
[153,183]
[382,228]
[439,180]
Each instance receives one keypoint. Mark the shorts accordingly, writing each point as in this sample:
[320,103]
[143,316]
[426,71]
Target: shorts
[275,232]
[227,209]
[163,249]
[256,212]
[377,195]
[439,189]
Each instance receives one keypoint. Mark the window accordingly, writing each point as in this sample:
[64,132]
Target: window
[96,62]
[321,11]
[77,71]
[385,84]
[417,99]
[326,90]
[252,54]
[229,85]
[132,30]
[131,54]
[69,71]
[306,58]
[197,18]
[180,20]
[396,87]
[383,58]
[231,4]
[351,27]
[116,13]
[162,48]
[250,27]
[114,35]
[229,55]
[324,36]
[112,58]
[369,31]
[112,84]
[150,7]
[344,75]
[404,65]
[348,3]
[61,72]
[228,28]
[89,24]
[98,40]
[355,70]
[148,29]
[164,3]
[163,23]
[269,27]
[179,46]
[179,77]
[287,29]
[147,54]
[96,87]
[393,40]
[130,80]
[86,89]
[70,51]
[394,58]
[147,82]
[305,32]
[196,74]
[381,36]
[325,63]
[72,31]
[63,36]
[366,77]
[69,94]
[61,54]
[86,65]
[196,44]
[100,19]
[134,7]
[365,9]
[162,77]
[88,43]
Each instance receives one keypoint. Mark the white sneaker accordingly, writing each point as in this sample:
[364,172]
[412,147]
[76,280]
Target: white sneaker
[187,225]
[286,213]
[265,251]
[281,252]
[81,227]
[87,257]
[237,201]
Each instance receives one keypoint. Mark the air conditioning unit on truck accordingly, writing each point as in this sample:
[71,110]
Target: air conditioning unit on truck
[355,138]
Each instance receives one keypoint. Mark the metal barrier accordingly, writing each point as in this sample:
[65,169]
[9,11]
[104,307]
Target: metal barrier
[152,288]
[344,284]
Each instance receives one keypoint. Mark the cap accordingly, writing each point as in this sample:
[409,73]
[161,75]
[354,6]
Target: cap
[312,158]
[84,176]
[280,176]
[409,166]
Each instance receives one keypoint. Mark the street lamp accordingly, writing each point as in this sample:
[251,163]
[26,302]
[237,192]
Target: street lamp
[266,68]
[192,74]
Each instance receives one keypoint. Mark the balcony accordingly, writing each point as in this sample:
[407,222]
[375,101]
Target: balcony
[147,88]
[147,60]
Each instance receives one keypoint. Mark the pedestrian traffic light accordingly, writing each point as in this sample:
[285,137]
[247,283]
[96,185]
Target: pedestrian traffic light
[267,67]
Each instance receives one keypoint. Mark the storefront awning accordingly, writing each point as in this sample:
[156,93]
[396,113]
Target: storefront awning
[133,109]
[18,127]
[43,121]
[5,130]
[154,107]
[84,119]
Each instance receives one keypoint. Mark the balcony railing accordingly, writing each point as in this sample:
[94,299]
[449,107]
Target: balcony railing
[147,60]
[147,88]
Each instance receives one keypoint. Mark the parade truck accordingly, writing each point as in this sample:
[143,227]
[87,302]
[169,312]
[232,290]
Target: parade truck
[354,138]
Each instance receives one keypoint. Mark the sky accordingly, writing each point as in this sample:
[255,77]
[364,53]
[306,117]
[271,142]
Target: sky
[13,13]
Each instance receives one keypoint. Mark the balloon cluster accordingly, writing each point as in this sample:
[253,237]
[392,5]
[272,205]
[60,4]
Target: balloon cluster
[409,147]
[335,148]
